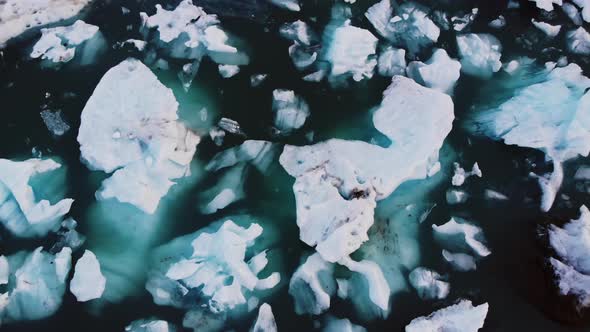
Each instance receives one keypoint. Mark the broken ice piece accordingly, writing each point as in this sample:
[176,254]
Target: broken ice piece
[392,61]
[150,325]
[55,122]
[265,322]
[455,196]
[461,317]
[227,71]
[429,284]
[257,79]
[460,175]
[292,5]
[312,285]
[333,324]
[230,126]
[548,29]
[88,282]
[290,110]
[480,54]
[461,236]
[460,262]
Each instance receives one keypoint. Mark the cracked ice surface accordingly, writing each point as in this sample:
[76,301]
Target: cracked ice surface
[130,126]
[350,176]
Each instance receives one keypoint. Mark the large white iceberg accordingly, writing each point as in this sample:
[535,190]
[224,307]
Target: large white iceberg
[440,72]
[461,317]
[338,182]
[211,263]
[18,16]
[21,211]
[548,111]
[130,126]
[88,282]
[480,54]
[408,25]
[35,285]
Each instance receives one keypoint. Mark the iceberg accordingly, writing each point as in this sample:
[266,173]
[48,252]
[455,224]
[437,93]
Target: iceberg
[88,282]
[62,44]
[480,54]
[36,284]
[391,62]
[578,41]
[460,175]
[290,111]
[209,266]
[548,112]
[130,127]
[440,72]
[429,284]
[410,28]
[228,71]
[463,317]
[461,236]
[547,4]
[19,16]
[548,29]
[21,212]
[333,324]
[338,182]
[265,322]
[150,325]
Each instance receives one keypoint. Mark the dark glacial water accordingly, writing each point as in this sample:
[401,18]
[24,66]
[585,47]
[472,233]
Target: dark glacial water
[511,280]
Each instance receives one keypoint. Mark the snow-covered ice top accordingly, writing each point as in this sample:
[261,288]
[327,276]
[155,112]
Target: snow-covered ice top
[461,317]
[265,322]
[461,236]
[88,282]
[212,263]
[480,54]
[547,4]
[578,41]
[572,241]
[351,51]
[440,72]
[429,284]
[551,114]
[20,211]
[59,44]
[130,126]
[18,16]
[35,285]
[338,181]
[407,26]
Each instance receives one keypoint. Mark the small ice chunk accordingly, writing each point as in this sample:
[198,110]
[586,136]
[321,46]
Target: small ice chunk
[461,22]
[312,285]
[88,282]
[498,23]
[511,66]
[227,71]
[547,4]
[460,262]
[572,12]
[379,290]
[351,52]
[150,325]
[440,72]
[492,194]
[257,79]
[548,29]
[480,54]
[290,110]
[461,236]
[292,5]
[461,317]
[460,175]
[265,322]
[341,325]
[298,31]
[138,44]
[578,41]
[455,196]
[203,320]
[59,44]
[55,122]
[429,284]
[572,282]
[392,61]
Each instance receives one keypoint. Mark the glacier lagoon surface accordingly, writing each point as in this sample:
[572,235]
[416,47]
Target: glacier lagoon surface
[235,165]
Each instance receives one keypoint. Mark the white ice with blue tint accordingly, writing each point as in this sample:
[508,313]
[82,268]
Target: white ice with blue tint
[149,325]
[480,54]
[130,127]
[461,236]
[21,212]
[88,282]
[440,72]
[61,44]
[265,322]
[461,317]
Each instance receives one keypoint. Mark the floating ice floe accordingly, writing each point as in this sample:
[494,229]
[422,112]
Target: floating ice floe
[333,324]
[548,29]
[392,61]
[61,44]
[571,282]
[465,20]
[429,284]
[55,122]
[209,267]
[547,4]
[290,111]
[265,322]
[292,5]
[455,196]
[480,54]
[150,325]
[585,6]
[88,282]
[19,16]
[228,71]
[130,128]
[459,261]
[461,317]
[440,72]
[572,241]
[21,211]
[548,111]
[338,182]
[460,175]
[312,285]
[351,51]
[407,26]
[462,236]
[203,320]
[35,284]
[578,41]
[303,52]
[572,12]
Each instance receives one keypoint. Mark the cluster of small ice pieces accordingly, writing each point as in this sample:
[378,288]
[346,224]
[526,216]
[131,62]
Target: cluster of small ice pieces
[571,243]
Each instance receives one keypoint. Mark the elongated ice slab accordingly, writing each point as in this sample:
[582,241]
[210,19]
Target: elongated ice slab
[88,282]
[440,72]
[60,44]
[461,317]
[462,236]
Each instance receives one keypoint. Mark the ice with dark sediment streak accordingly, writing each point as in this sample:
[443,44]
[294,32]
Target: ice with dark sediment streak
[460,317]
[35,284]
[545,109]
[210,267]
[130,127]
[22,211]
[350,176]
